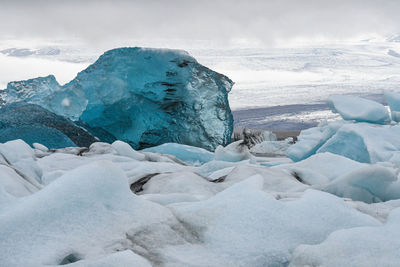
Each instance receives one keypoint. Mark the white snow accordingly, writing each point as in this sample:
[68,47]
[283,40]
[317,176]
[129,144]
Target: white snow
[338,204]
[360,246]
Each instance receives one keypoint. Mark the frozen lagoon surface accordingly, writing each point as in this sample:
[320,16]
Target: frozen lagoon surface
[337,203]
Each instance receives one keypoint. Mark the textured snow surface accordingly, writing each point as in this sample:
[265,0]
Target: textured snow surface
[110,205]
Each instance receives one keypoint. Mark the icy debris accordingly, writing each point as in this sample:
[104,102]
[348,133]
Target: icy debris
[252,137]
[393,99]
[272,148]
[359,109]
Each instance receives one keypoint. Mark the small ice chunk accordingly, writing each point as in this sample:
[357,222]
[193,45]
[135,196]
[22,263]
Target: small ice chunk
[358,109]
[310,140]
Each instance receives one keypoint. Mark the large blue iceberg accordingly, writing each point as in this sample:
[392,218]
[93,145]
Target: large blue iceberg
[145,97]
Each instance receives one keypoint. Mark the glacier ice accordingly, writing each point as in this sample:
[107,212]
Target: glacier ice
[34,124]
[393,99]
[142,96]
[364,142]
[33,90]
[310,140]
[358,109]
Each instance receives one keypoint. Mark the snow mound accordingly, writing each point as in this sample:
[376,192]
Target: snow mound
[359,109]
[244,226]
[369,184]
[362,246]
[80,215]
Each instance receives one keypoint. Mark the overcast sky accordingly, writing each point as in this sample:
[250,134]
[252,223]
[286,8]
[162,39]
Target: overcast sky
[266,22]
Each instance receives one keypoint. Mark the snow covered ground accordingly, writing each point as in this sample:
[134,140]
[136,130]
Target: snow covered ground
[336,204]
[280,78]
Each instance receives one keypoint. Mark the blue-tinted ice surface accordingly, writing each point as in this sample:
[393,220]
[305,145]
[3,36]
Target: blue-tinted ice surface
[362,142]
[188,154]
[359,109]
[34,124]
[33,90]
[145,97]
[354,138]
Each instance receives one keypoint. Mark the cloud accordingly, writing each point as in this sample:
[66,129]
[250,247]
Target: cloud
[264,21]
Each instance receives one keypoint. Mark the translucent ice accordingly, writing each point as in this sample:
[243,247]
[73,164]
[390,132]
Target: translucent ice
[364,142]
[359,109]
[34,124]
[145,97]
